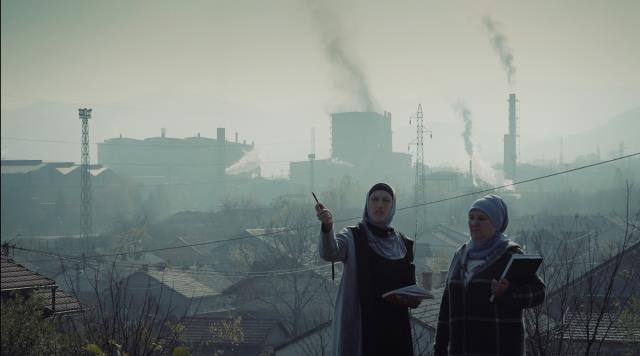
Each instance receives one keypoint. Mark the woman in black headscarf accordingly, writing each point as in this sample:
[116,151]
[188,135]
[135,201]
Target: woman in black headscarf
[377,259]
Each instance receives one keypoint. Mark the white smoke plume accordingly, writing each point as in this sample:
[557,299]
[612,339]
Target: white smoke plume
[483,170]
[499,42]
[348,76]
[248,164]
[510,187]
[341,162]
[461,108]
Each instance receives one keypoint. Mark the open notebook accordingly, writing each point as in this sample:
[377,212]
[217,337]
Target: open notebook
[413,291]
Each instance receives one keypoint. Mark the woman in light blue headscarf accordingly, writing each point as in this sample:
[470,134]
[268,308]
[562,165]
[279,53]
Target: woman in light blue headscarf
[480,314]
[377,259]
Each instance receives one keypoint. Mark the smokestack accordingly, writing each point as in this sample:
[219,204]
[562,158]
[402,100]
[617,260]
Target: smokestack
[471,172]
[512,114]
[163,132]
[236,137]
[510,154]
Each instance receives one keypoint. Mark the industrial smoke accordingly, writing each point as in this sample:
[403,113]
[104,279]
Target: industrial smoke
[348,76]
[248,164]
[462,109]
[505,53]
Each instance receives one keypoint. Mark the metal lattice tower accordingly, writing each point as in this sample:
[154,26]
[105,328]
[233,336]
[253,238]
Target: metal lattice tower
[85,176]
[420,191]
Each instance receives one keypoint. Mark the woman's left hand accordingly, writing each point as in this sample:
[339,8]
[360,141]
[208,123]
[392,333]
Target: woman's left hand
[499,288]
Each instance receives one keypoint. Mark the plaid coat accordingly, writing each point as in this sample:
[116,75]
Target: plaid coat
[469,324]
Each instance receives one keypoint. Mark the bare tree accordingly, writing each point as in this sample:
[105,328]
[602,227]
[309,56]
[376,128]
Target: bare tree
[296,291]
[125,317]
[591,287]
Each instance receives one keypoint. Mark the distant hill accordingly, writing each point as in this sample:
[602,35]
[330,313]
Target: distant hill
[623,128]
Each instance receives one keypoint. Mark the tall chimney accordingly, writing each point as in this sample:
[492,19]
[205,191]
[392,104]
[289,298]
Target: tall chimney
[510,155]
[471,172]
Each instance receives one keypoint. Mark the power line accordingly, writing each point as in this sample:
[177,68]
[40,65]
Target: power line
[521,182]
[199,271]
[284,230]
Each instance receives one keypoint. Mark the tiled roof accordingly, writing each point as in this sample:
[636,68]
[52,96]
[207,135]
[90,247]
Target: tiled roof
[429,309]
[223,331]
[628,259]
[182,283]
[580,326]
[311,331]
[309,258]
[15,276]
[65,303]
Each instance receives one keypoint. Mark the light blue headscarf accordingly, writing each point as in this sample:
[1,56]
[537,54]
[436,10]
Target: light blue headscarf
[496,209]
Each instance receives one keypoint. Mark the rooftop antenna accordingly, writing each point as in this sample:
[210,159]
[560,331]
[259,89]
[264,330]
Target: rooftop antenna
[85,177]
[420,193]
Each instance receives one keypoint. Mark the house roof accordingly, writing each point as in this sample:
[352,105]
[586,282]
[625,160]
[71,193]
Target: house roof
[65,303]
[307,257]
[612,328]
[185,254]
[15,276]
[225,331]
[452,234]
[429,309]
[311,331]
[327,324]
[629,258]
[182,282]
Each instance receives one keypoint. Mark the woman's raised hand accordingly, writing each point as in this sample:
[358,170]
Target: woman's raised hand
[324,215]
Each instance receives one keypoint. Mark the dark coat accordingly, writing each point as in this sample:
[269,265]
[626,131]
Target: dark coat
[469,324]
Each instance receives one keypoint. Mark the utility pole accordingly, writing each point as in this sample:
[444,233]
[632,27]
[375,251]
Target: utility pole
[85,176]
[420,191]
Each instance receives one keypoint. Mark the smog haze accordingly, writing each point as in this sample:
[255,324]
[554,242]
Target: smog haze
[273,70]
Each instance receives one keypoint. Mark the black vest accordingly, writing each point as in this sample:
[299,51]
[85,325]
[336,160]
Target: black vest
[386,328]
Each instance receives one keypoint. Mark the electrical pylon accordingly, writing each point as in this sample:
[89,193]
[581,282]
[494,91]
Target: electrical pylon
[85,176]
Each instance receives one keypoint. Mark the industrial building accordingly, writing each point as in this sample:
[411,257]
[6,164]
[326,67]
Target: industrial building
[166,160]
[44,197]
[361,147]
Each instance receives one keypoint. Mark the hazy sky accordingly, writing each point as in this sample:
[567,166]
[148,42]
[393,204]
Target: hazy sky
[272,69]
